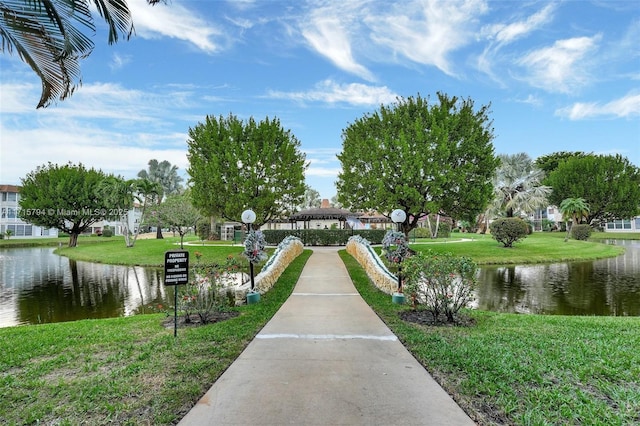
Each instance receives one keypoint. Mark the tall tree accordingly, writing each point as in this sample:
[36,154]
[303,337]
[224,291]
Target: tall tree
[178,212]
[550,162]
[168,182]
[311,199]
[235,165]
[573,209]
[420,157]
[518,186]
[609,184]
[51,37]
[64,197]
[121,195]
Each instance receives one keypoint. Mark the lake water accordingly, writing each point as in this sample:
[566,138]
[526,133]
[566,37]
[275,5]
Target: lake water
[37,286]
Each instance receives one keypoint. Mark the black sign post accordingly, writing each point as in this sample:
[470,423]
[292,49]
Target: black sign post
[176,272]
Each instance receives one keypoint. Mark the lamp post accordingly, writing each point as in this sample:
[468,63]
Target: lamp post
[398,216]
[248,217]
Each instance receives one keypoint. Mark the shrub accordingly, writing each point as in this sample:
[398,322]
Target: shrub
[581,232]
[443,283]
[323,237]
[107,232]
[508,230]
[207,294]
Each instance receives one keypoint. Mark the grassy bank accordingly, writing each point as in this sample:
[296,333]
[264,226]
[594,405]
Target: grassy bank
[539,247]
[147,252]
[526,369]
[536,248]
[124,370]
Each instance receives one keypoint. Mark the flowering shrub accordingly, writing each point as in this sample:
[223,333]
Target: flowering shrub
[208,293]
[395,247]
[254,245]
[443,283]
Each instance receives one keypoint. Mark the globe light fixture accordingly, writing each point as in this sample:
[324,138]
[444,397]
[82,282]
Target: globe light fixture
[248,217]
[398,216]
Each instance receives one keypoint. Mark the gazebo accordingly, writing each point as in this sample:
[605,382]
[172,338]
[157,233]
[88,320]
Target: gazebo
[321,214]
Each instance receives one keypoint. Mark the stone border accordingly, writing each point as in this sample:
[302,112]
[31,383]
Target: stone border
[376,270]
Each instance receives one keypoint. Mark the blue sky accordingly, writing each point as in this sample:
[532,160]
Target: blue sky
[560,76]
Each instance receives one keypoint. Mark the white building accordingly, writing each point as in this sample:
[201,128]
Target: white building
[9,220]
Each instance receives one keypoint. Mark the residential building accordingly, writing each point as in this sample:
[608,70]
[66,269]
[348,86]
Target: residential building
[9,220]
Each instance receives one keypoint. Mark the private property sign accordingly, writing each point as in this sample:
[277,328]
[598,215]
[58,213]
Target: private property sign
[176,267]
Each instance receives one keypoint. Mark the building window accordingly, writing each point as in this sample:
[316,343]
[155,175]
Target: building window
[619,224]
[11,213]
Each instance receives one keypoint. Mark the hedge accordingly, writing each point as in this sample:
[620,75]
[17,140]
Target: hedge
[323,237]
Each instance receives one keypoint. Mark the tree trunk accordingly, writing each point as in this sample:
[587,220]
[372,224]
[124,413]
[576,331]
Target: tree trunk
[73,239]
[159,232]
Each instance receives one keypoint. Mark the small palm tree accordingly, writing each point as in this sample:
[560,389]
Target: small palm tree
[517,186]
[573,209]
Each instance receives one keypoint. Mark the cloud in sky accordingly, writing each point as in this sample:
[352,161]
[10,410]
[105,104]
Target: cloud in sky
[427,32]
[563,67]
[327,29]
[329,91]
[626,107]
[175,21]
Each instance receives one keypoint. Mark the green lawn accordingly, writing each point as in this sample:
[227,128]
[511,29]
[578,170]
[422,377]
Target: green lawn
[538,247]
[147,252]
[526,369]
[125,371]
[506,369]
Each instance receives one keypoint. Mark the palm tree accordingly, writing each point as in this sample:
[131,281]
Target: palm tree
[50,36]
[573,209]
[168,182]
[517,186]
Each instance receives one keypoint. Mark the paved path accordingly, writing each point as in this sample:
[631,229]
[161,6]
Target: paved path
[325,358]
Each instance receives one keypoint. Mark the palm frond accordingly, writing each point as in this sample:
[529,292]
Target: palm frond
[51,37]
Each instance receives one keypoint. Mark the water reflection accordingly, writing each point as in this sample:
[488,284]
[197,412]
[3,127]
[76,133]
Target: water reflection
[601,287]
[37,286]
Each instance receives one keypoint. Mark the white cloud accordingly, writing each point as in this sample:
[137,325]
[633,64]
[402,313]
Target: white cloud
[507,33]
[331,92]
[119,61]
[327,32]
[426,32]
[102,125]
[501,35]
[563,67]
[625,107]
[175,21]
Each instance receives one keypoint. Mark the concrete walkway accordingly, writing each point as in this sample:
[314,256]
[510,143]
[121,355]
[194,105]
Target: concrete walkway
[325,358]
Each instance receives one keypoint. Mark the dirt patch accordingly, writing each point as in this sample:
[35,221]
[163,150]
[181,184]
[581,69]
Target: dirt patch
[424,317]
[194,320]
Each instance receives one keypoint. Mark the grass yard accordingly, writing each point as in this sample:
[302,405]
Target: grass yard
[125,371]
[538,247]
[526,369]
[146,252]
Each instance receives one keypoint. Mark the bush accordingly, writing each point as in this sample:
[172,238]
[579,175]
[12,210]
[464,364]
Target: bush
[508,230]
[208,293]
[581,232]
[443,283]
[107,232]
[323,237]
